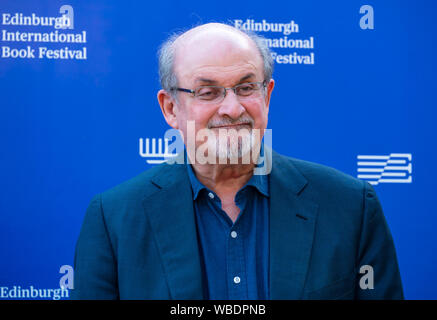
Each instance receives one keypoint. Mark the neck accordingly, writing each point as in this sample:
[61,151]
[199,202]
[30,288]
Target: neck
[223,178]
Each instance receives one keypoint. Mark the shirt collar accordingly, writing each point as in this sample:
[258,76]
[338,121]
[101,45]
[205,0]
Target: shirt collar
[196,185]
[260,182]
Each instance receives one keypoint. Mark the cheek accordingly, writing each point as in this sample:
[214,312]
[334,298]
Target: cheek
[203,114]
[199,114]
[258,111]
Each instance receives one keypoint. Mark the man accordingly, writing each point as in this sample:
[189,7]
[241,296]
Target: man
[215,230]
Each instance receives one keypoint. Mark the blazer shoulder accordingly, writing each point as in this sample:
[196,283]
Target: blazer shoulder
[137,187]
[341,198]
[325,178]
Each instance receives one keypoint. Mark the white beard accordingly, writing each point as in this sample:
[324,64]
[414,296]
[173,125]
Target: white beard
[234,146]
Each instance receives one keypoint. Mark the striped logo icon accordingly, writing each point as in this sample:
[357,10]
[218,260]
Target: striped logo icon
[393,168]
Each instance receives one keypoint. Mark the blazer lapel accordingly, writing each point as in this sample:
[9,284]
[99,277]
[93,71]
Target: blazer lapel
[292,224]
[171,215]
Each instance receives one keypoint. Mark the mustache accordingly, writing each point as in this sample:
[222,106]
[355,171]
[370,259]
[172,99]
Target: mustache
[228,121]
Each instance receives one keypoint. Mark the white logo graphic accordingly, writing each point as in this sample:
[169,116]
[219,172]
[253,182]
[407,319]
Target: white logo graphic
[288,43]
[35,40]
[157,157]
[27,293]
[394,168]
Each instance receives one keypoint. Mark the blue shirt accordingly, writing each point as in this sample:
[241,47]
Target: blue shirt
[234,256]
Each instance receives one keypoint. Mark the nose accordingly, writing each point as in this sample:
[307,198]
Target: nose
[231,106]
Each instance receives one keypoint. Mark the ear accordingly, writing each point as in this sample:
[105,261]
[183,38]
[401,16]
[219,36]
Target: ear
[269,89]
[168,108]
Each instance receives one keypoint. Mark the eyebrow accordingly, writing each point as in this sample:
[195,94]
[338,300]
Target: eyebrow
[210,81]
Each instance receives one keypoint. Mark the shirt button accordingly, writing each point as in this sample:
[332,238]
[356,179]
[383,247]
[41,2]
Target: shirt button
[237,280]
[211,195]
[234,234]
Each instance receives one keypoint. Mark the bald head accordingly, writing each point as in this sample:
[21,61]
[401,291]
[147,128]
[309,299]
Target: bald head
[214,51]
[209,34]
[210,29]
[212,44]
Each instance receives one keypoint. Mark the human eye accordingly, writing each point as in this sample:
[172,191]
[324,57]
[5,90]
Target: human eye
[246,89]
[207,93]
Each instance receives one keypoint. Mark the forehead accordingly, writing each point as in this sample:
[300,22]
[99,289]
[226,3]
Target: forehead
[220,55]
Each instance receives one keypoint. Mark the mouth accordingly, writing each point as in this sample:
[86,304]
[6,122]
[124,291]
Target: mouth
[233,126]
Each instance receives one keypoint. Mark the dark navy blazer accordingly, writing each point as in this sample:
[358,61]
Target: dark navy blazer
[138,239]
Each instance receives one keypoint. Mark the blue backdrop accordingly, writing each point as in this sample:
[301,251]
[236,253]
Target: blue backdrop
[70,128]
